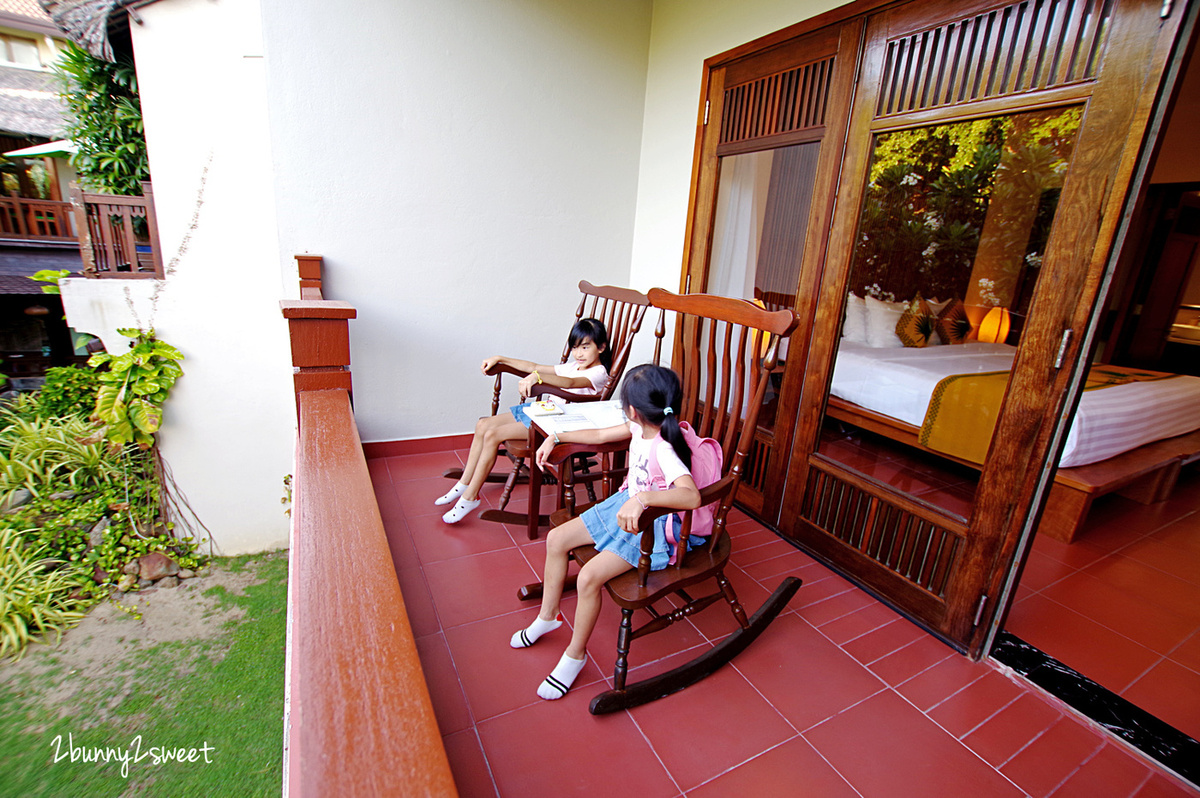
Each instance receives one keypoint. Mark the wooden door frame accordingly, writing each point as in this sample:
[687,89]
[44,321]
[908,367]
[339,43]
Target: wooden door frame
[1012,485]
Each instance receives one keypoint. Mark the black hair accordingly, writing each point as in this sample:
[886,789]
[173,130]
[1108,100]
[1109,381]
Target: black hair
[592,330]
[651,390]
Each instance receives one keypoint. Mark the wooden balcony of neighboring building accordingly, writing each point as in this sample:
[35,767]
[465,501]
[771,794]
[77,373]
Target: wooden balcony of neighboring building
[118,235]
[26,219]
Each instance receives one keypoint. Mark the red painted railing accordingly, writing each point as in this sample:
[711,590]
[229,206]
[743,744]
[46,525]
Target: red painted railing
[359,718]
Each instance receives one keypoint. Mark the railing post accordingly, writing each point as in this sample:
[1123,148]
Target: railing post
[320,335]
[83,230]
[152,223]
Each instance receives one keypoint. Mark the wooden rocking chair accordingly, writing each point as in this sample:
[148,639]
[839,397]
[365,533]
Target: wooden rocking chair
[719,343]
[622,311]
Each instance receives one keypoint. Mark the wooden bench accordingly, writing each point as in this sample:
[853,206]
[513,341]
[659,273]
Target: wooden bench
[1146,474]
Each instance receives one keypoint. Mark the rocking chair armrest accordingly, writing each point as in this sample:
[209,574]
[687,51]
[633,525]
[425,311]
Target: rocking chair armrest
[566,393]
[503,368]
[563,451]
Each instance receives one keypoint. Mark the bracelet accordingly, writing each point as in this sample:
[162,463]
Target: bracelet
[537,376]
[555,437]
[638,498]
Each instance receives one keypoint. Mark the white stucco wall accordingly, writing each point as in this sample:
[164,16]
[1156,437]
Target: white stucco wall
[461,165]
[229,431]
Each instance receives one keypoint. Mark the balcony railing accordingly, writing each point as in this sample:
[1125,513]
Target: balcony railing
[118,236]
[359,720]
[30,219]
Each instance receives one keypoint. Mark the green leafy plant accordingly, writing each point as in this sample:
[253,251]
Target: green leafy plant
[51,276]
[133,389]
[40,453]
[102,100]
[38,596]
[68,391]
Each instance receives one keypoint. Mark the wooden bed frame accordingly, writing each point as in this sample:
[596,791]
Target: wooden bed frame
[1146,474]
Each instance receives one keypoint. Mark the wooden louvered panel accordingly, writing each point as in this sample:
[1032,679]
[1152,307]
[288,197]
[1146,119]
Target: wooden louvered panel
[914,548]
[785,102]
[1022,47]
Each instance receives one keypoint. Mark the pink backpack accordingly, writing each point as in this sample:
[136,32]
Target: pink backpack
[707,459]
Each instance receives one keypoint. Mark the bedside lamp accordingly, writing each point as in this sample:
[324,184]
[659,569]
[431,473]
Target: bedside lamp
[995,326]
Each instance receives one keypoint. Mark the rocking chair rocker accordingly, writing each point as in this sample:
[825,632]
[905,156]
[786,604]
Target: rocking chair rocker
[718,344]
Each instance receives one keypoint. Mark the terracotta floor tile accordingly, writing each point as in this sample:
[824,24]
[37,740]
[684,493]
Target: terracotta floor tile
[1181,534]
[936,684]
[791,564]
[1012,728]
[1187,653]
[880,642]
[699,736]
[557,748]
[436,541]
[445,690]
[1161,785]
[497,678]
[422,615]
[791,770]
[858,623]
[1171,693]
[479,586]
[976,703]
[422,466]
[803,675]
[1078,554]
[472,775]
[750,535]
[1053,757]
[837,606]
[1096,651]
[400,542]
[1166,558]
[1126,613]
[818,590]
[768,551]
[1042,571]
[1112,771]
[861,744]
[905,663]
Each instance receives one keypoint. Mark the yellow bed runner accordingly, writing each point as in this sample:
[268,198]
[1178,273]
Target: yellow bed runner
[964,407]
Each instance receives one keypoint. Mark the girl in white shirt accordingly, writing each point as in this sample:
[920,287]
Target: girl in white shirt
[585,372]
[651,397]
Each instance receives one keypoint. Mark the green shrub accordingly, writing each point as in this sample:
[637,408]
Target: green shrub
[41,453]
[38,596]
[69,391]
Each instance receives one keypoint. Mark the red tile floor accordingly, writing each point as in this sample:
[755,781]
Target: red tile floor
[840,696]
[1121,604]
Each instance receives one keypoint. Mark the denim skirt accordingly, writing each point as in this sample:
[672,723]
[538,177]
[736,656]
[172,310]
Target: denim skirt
[601,523]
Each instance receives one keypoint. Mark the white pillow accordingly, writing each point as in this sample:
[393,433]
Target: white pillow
[855,327]
[882,318]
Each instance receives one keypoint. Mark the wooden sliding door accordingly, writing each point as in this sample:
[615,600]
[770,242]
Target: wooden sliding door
[974,153]
[768,149]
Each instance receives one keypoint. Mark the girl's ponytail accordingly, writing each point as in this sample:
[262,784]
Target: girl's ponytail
[655,393]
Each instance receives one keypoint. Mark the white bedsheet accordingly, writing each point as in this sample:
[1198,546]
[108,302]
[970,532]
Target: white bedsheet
[899,382]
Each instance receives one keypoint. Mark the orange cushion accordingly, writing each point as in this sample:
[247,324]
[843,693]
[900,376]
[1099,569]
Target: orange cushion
[916,324]
[952,324]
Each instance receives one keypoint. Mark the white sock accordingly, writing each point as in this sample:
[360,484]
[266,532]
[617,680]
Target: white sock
[530,634]
[452,494]
[561,678]
[461,509]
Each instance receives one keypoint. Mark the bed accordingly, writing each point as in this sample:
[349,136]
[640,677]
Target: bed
[1131,438]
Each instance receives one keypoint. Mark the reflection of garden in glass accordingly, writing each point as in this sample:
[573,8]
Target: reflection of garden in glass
[963,210]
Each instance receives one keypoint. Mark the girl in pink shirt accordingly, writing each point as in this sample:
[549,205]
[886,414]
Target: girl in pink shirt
[585,372]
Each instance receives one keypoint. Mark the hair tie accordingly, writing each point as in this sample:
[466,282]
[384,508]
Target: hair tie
[667,410]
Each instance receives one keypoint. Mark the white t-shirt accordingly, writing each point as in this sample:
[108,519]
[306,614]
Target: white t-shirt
[597,375]
[639,461]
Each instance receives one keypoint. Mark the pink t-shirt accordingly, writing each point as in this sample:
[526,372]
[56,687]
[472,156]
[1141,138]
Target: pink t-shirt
[597,375]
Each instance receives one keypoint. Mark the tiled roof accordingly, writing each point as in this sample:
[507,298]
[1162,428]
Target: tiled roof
[29,103]
[24,8]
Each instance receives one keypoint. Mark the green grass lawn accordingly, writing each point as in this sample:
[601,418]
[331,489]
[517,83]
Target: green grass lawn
[218,699]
